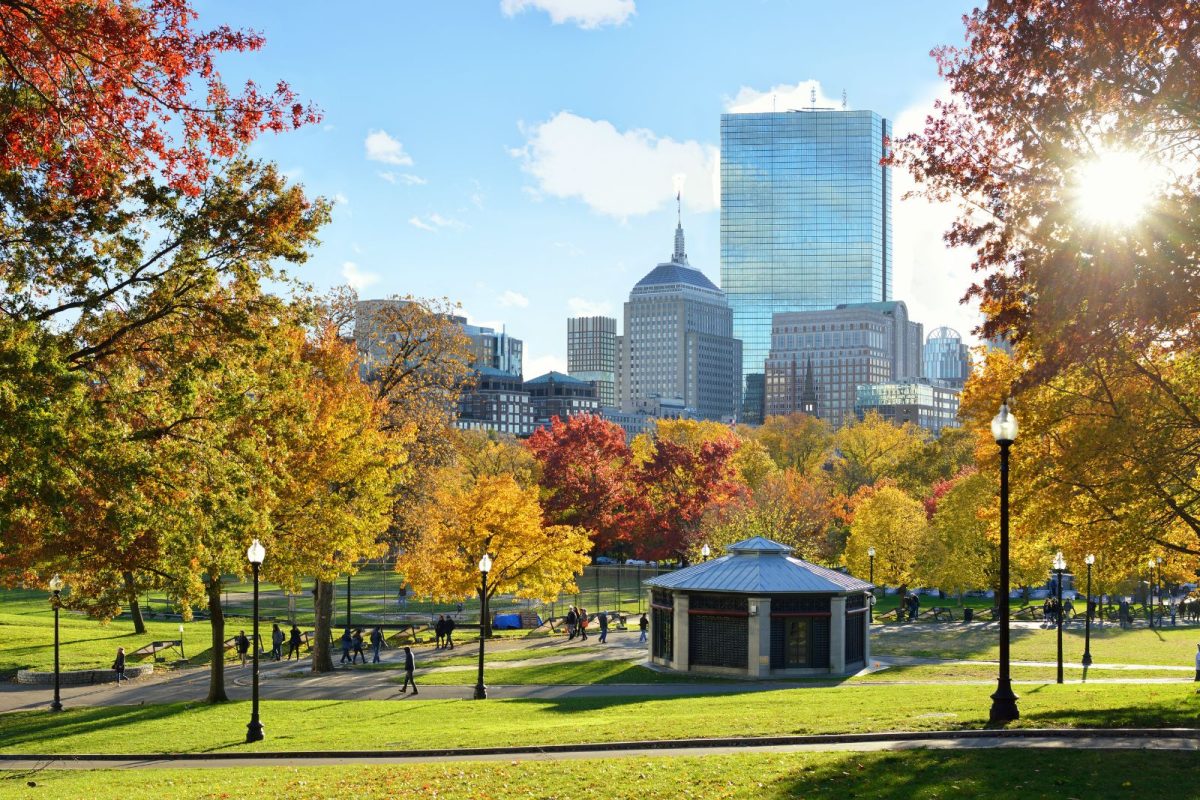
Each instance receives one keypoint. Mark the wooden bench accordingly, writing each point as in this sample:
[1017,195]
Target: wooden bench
[154,648]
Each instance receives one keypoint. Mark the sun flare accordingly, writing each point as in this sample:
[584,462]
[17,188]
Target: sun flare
[1115,188]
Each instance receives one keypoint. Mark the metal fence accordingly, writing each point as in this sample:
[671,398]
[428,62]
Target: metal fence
[377,595]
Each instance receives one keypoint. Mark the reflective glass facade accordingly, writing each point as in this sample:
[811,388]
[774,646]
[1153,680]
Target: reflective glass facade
[805,221]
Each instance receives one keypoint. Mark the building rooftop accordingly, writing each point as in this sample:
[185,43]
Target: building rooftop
[672,273]
[556,377]
[759,566]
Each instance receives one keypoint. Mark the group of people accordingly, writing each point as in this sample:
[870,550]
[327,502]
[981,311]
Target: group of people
[1051,610]
[443,631]
[577,622]
[352,645]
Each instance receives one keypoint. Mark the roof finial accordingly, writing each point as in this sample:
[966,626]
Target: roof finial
[679,256]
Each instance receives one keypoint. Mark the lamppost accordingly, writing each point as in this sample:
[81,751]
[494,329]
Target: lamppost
[56,585]
[1089,559]
[485,566]
[255,554]
[1158,585]
[1004,702]
[1060,566]
[871,560]
[705,552]
[1150,591]
[182,654]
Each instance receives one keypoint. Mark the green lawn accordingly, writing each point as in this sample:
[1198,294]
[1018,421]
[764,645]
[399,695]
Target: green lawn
[913,774]
[570,672]
[387,724]
[988,672]
[1110,644]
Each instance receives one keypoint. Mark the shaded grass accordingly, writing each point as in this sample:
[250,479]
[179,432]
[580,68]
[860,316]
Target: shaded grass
[1110,644]
[974,672]
[391,724]
[914,774]
[571,672]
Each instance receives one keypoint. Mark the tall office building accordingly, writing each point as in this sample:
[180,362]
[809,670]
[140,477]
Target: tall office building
[678,343]
[834,352]
[806,222]
[592,355]
[947,359]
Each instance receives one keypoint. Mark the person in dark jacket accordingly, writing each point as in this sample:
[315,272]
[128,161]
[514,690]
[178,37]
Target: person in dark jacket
[602,618]
[347,643]
[643,625]
[410,666]
[358,647]
[294,643]
[439,631]
[449,633]
[572,622]
[377,641]
[277,638]
[583,623]
[119,665]
[243,646]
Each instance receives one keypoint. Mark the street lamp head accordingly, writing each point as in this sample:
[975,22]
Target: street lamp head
[485,564]
[871,552]
[705,552]
[1089,559]
[1004,426]
[1060,563]
[1151,562]
[56,584]
[181,627]
[1158,560]
[255,553]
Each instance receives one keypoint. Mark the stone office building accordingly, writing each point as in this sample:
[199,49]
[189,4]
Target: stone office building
[758,612]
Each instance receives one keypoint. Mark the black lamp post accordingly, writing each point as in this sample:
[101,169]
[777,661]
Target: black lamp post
[1060,566]
[1004,702]
[1158,585]
[1150,592]
[485,566]
[871,561]
[56,585]
[255,554]
[1087,620]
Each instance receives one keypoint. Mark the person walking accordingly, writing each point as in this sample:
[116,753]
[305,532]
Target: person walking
[358,647]
[439,631]
[347,643]
[449,639]
[603,620]
[377,641]
[572,622]
[583,622]
[643,626]
[119,666]
[243,646]
[410,665]
[294,643]
[277,638]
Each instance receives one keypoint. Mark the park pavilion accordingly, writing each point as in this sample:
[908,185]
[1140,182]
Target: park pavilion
[758,612]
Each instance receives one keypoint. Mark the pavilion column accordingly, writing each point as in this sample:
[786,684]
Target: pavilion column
[680,635]
[866,621]
[758,661]
[837,635]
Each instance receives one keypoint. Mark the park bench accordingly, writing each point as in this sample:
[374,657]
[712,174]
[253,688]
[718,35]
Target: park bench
[154,648]
[938,614]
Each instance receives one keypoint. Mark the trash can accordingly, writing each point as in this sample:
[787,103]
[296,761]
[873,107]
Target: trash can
[968,614]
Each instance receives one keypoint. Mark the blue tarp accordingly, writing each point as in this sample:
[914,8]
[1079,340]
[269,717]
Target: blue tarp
[509,621]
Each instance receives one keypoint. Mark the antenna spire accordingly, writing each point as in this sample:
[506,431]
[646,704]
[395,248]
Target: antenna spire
[679,256]
[843,99]
[812,96]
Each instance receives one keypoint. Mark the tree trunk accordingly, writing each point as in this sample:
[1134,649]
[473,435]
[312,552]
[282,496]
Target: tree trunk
[322,658]
[216,673]
[902,593]
[135,609]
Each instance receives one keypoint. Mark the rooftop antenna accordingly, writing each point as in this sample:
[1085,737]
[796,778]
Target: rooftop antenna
[773,97]
[812,96]
[843,99]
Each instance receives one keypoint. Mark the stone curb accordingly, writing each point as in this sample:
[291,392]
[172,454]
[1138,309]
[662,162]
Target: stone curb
[80,677]
[653,744]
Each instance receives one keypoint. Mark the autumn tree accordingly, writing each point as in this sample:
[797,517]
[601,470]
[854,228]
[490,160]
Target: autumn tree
[796,441]
[895,525]
[960,551]
[788,507]
[586,478]
[873,448]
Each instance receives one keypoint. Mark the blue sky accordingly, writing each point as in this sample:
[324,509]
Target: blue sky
[522,156]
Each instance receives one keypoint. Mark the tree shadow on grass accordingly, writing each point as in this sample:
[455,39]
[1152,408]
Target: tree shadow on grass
[46,728]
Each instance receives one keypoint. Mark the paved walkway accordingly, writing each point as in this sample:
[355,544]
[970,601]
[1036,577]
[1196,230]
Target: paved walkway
[1174,740]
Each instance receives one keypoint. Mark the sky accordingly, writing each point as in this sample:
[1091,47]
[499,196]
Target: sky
[521,157]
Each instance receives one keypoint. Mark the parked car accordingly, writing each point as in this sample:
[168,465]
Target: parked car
[634,562]
[603,560]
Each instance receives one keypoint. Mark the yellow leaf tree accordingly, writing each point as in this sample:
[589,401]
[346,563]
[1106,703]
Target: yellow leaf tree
[895,525]
[491,514]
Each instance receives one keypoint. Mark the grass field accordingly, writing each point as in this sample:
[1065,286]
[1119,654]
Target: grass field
[1110,644]
[914,774]
[570,672]
[387,724]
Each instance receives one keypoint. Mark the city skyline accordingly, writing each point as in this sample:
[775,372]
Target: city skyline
[503,181]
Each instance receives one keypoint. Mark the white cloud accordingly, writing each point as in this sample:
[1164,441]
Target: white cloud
[620,174]
[580,307]
[356,277]
[435,222]
[587,14]
[540,365]
[511,299]
[782,97]
[340,199]
[929,277]
[402,177]
[382,147]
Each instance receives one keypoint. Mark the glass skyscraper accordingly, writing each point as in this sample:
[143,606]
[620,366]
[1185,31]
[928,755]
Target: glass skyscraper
[806,222]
